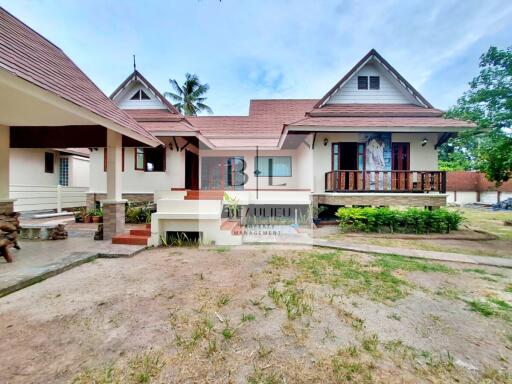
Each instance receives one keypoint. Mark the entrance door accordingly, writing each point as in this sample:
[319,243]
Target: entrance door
[348,157]
[401,162]
[191,170]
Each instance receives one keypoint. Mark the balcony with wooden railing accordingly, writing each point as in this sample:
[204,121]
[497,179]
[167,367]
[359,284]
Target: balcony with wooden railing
[385,181]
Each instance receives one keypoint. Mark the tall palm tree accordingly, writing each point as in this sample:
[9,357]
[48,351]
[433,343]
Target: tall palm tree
[189,98]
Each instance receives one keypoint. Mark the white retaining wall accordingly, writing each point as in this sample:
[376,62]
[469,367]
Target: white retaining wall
[46,197]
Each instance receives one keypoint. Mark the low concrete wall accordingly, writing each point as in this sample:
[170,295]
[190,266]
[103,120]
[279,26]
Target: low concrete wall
[131,197]
[381,199]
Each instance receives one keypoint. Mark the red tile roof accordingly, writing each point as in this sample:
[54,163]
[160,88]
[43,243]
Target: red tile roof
[375,110]
[362,122]
[30,56]
[167,126]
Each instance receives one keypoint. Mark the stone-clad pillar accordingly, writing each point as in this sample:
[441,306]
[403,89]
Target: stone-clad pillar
[6,204]
[114,205]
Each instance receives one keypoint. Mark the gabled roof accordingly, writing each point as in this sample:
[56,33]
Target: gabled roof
[28,55]
[137,76]
[373,55]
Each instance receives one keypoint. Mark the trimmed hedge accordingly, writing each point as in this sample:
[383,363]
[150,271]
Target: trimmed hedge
[412,220]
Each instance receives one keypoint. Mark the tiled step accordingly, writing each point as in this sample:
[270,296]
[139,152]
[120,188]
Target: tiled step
[228,225]
[204,195]
[232,226]
[129,239]
[141,232]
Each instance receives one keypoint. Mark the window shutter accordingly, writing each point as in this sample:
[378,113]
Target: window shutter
[362,82]
[374,82]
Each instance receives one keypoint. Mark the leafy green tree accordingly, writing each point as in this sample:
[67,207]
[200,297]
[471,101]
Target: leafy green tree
[189,98]
[488,103]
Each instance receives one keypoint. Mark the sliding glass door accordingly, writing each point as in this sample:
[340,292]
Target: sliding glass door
[223,173]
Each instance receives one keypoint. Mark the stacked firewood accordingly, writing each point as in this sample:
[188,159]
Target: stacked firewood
[58,233]
[9,229]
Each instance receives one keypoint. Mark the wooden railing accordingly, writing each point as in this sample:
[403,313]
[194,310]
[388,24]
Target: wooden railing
[385,181]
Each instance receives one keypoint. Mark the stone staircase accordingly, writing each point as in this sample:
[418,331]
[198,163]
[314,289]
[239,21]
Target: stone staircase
[136,236]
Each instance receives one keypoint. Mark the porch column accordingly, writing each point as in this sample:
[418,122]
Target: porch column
[6,204]
[113,206]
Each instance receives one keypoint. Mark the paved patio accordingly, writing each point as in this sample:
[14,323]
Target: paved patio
[37,260]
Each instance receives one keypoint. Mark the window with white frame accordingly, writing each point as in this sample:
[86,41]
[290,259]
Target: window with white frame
[64,171]
[273,166]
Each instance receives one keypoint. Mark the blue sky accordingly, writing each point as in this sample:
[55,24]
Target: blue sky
[271,48]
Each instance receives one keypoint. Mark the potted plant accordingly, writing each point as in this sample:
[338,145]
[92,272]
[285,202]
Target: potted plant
[97,216]
[232,204]
[79,215]
[88,216]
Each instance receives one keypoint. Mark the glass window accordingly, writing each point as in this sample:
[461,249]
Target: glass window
[274,166]
[139,159]
[64,171]
[49,159]
[362,82]
[140,95]
[374,82]
[150,159]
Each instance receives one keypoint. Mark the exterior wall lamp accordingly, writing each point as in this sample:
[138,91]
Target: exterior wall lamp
[424,142]
[326,141]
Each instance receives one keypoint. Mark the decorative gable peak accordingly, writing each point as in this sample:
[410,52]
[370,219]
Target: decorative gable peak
[373,81]
[135,92]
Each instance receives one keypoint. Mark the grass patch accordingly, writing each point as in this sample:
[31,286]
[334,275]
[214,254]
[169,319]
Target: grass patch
[449,293]
[247,317]
[142,369]
[296,301]
[492,307]
[222,249]
[373,280]
[394,262]
[278,261]
[228,332]
[223,300]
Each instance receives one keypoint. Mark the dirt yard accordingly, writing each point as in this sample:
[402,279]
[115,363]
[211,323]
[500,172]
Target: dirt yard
[260,315]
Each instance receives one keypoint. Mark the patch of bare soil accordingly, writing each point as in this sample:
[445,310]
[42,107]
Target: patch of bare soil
[259,315]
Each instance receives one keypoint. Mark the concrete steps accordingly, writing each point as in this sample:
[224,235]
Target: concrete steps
[137,236]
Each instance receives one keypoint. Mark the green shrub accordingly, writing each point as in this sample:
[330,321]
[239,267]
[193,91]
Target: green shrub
[138,213]
[412,220]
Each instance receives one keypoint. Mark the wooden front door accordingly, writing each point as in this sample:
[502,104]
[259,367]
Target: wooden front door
[191,170]
[400,162]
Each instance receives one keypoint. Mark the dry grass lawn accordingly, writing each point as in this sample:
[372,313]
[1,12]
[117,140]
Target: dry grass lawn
[260,315]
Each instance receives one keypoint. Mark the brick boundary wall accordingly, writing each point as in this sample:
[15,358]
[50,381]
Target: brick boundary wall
[471,181]
[131,197]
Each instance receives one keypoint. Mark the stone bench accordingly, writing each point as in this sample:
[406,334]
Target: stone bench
[39,231]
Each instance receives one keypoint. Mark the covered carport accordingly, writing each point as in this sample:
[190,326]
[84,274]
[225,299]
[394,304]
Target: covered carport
[46,101]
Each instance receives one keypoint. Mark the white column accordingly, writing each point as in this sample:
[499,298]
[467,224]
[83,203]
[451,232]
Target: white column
[4,162]
[6,204]
[114,166]
[113,206]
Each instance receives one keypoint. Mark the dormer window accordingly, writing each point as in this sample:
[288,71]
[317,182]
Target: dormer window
[140,95]
[374,82]
[368,82]
[362,82]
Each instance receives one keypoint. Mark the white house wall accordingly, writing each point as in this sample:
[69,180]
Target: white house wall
[27,167]
[140,181]
[421,158]
[79,171]
[389,92]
